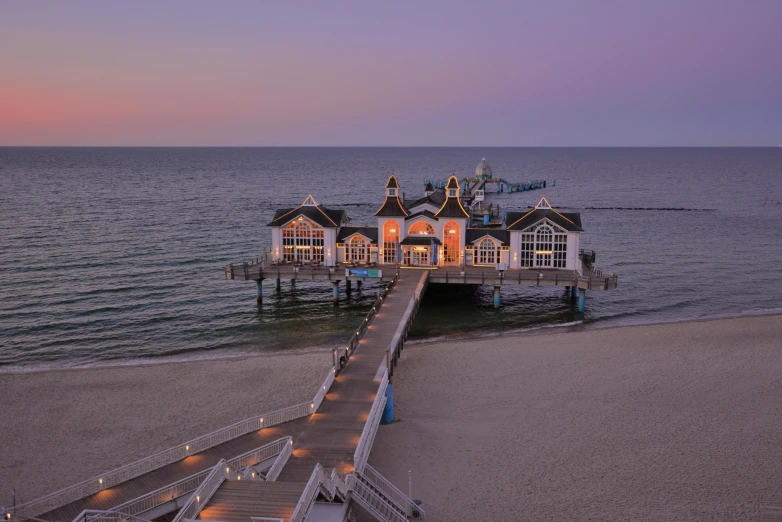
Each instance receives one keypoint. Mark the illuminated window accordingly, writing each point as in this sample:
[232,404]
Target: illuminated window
[390,241]
[487,252]
[302,240]
[357,250]
[421,227]
[451,243]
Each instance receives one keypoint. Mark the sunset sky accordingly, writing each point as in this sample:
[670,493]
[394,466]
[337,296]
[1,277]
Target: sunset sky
[264,73]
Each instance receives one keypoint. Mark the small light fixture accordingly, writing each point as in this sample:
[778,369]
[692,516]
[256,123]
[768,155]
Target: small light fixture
[187,448]
[100,481]
[227,470]
[198,498]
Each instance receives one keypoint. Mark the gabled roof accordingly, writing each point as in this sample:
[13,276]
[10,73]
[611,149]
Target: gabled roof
[543,210]
[474,234]
[423,213]
[325,217]
[392,207]
[436,199]
[392,182]
[368,232]
[452,206]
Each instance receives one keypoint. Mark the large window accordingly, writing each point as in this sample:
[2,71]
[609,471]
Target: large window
[560,250]
[543,246]
[302,240]
[357,250]
[421,228]
[390,241]
[487,252]
[451,243]
[527,253]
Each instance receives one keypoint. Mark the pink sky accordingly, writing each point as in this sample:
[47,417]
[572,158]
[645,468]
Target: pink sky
[360,73]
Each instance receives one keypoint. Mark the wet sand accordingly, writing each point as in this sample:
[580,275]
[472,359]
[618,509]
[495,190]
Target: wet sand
[665,422]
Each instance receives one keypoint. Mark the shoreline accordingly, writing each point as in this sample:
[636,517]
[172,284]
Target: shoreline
[574,326]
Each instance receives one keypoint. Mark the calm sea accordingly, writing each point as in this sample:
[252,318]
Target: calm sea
[113,255]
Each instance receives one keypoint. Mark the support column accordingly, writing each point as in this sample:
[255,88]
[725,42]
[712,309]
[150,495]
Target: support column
[259,296]
[582,301]
[335,287]
[277,284]
[347,286]
[358,285]
[575,292]
[293,282]
[388,412]
[496,296]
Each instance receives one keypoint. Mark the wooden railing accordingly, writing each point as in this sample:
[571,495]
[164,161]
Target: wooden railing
[333,484]
[400,336]
[364,446]
[391,492]
[171,455]
[200,497]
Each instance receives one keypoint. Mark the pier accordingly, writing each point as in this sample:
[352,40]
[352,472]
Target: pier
[301,463]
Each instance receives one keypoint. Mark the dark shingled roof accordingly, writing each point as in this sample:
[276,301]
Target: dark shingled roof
[474,234]
[436,198]
[392,182]
[522,220]
[392,207]
[323,216]
[452,208]
[346,232]
[419,241]
[422,213]
[429,187]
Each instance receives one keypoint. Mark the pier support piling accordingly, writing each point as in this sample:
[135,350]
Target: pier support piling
[582,301]
[277,284]
[575,292]
[335,287]
[259,295]
[496,296]
[348,287]
[358,285]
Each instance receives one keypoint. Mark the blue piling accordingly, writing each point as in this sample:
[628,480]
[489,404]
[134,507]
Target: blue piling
[335,287]
[582,301]
[259,297]
[486,219]
[553,183]
[496,297]
[388,412]
[574,292]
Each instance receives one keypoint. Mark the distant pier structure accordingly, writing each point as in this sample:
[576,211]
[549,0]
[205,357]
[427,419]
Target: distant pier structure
[453,231]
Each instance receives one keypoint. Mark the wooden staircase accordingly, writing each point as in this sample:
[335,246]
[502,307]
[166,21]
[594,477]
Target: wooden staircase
[238,500]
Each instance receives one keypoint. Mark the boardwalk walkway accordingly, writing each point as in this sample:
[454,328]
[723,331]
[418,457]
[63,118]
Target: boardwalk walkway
[328,437]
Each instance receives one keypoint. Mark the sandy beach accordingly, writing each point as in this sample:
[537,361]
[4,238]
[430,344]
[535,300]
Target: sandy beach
[61,427]
[665,422]
[662,422]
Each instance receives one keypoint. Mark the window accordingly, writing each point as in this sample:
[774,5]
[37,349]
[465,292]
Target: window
[390,241]
[451,243]
[357,250]
[392,192]
[527,253]
[302,240]
[544,247]
[422,227]
[487,252]
[451,193]
[560,250]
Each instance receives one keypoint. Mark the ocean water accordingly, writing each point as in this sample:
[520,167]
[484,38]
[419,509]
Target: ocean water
[115,255]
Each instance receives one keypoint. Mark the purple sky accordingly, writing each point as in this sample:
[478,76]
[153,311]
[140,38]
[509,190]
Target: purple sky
[539,73]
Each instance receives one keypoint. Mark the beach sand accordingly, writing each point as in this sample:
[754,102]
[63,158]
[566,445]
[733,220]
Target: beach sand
[665,422]
[61,427]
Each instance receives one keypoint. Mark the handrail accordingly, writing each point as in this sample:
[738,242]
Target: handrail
[201,496]
[161,496]
[94,515]
[258,455]
[388,489]
[317,477]
[174,454]
[364,446]
[374,503]
[274,471]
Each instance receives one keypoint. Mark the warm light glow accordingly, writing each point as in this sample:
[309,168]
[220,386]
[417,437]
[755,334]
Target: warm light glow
[392,230]
[544,251]
[261,419]
[227,470]
[452,231]
[312,406]
[238,477]
[100,481]
[198,498]
[187,448]
[419,249]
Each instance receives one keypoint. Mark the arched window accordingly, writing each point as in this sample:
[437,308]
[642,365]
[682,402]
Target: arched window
[421,228]
[390,241]
[358,250]
[544,246]
[302,240]
[451,243]
[487,252]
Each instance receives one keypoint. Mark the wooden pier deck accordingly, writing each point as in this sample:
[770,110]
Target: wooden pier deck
[470,275]
[328,437]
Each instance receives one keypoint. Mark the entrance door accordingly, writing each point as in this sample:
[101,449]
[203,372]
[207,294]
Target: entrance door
[420,257]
